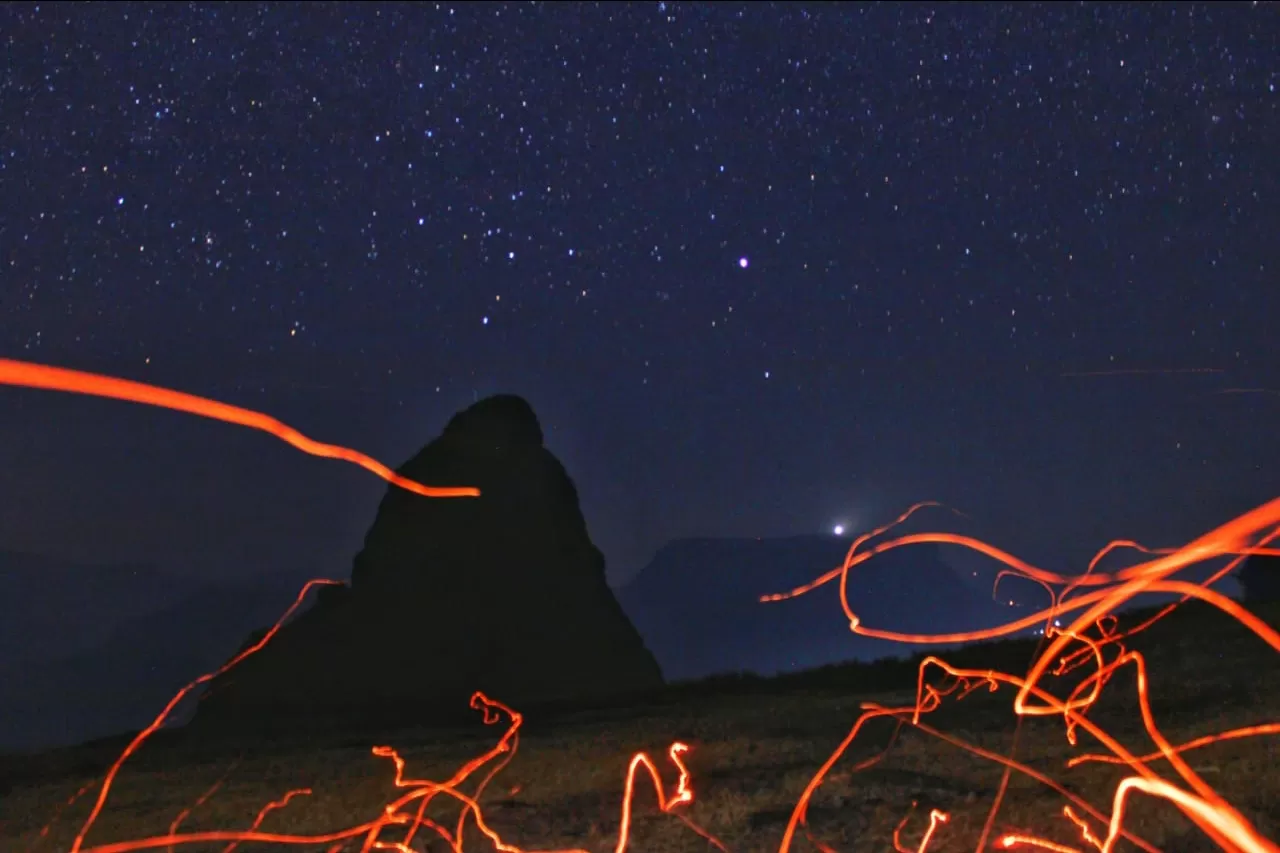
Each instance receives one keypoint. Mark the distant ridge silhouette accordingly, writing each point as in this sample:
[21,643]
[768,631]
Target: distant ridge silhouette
[697,604]
[122,680]
[60,602]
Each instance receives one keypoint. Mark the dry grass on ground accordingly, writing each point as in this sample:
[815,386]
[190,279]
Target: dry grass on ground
[753,750]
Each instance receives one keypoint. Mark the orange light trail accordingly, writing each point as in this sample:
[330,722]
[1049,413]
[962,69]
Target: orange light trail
[200,801]
[1207,740]
[163,716]
[29,375]
[1093,633]
[935,817]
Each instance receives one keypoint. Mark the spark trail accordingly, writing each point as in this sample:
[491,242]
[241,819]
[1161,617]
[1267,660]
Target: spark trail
[1093,633]
[49,378]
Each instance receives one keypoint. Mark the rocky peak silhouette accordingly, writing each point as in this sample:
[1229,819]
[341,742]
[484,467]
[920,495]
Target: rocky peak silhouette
[504,593]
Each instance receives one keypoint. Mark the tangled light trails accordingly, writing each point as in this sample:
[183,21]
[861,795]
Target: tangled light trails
[1247,534]
[1099,595]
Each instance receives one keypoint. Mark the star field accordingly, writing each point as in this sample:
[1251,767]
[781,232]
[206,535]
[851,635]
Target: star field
[688,220]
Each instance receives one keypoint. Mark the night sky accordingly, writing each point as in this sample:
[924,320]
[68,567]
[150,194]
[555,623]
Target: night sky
[760,269]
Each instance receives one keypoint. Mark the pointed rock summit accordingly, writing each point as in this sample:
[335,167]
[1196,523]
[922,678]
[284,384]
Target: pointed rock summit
[503,593]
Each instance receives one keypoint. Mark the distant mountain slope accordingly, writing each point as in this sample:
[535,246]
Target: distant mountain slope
[696,604]
[51,608]
[122,682]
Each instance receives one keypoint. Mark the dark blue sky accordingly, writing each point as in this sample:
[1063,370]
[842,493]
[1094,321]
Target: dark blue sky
[759,268]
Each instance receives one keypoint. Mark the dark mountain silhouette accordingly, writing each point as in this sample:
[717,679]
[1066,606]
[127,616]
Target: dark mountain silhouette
[1259,578]
[122,681]
[51,608]
[697,604]
[503,593]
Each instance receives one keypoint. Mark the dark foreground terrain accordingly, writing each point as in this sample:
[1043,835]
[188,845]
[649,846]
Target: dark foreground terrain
[755,743]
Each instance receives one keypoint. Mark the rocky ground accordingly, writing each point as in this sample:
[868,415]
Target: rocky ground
[754,745]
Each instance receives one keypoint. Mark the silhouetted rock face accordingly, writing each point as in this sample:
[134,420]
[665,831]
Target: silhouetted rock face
[503,593]
[1260,578]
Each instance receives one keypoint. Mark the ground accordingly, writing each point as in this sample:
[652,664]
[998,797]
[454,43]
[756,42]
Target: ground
[754,745]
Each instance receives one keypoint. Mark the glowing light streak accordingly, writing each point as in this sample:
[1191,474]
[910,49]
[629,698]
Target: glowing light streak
[935,817]
[22,373]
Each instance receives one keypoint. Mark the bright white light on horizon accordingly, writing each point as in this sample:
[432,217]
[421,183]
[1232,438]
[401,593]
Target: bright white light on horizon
[743,262]
[838,530]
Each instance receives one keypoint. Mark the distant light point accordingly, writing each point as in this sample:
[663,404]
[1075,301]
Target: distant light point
[838,530]
[743,263]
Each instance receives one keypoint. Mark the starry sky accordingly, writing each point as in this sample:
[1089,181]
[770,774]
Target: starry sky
[760,268]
